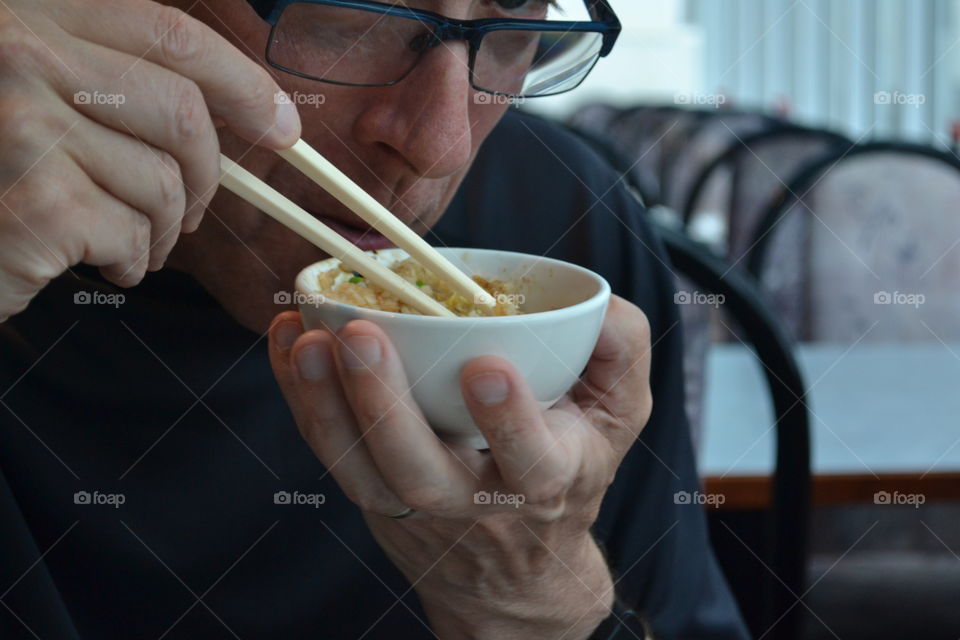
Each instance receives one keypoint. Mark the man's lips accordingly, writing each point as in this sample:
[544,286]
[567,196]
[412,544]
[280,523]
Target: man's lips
[365,239]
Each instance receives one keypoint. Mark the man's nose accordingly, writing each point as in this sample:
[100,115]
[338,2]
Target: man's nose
[426,116]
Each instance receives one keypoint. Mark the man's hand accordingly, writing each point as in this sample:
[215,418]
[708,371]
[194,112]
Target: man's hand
[108,147]
[518,560]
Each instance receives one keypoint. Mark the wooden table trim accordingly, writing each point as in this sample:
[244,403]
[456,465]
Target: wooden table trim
[753,492]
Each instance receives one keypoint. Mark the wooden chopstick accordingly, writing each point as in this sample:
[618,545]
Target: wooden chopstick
[340,186]
[250,188]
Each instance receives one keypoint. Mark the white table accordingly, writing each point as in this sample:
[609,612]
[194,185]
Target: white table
[882,415]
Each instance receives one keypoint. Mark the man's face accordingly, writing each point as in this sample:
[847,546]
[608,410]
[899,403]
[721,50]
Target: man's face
[408,145]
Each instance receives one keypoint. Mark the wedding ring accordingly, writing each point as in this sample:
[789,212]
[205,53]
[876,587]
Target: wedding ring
[406,513]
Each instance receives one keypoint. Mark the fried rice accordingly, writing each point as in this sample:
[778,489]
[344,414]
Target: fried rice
[343,285]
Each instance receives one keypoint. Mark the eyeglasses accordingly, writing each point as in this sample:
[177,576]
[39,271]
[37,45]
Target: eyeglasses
[372,44]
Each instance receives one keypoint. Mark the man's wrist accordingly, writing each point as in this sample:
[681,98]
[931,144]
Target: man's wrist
[570,603]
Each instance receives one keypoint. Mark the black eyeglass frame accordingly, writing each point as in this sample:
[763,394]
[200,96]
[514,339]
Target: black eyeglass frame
[605,23]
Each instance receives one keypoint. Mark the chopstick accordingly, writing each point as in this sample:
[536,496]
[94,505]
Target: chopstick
[336,183]
[250,188]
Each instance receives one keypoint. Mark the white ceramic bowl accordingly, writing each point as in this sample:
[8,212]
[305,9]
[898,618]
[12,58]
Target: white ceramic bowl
[549,345]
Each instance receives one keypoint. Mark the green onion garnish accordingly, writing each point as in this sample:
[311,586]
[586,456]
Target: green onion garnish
[356,279]
[420,283]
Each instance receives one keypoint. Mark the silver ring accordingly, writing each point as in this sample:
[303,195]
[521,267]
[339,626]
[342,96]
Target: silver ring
[406,513]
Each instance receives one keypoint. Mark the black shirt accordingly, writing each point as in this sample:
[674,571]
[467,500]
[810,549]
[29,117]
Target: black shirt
[166,404]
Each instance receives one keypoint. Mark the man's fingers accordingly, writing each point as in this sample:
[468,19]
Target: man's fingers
[236,88]
[116,236]
[304,368]
[163,109]
[147,179]
[413,461]
[618,373]
[530,458]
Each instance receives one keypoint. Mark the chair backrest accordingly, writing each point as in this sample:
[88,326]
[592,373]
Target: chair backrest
[702,145]
[881,247]
[755,170]
[776,614]
[645,135]
[785,554]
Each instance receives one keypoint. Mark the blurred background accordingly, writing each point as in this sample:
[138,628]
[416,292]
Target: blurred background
[799,159]
[819,61]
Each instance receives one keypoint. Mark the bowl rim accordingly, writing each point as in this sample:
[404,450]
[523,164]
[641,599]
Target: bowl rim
[602,293]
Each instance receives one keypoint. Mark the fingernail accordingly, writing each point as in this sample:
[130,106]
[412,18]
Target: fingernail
[314,362]
[288,120]
[286,334]
[360,352]
[489,388]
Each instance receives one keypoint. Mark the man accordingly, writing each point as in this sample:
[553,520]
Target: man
[153,482]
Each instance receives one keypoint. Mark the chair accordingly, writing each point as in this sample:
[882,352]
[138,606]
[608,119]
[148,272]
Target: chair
[880,231]
[762,597]
[752,172]
[702,144]
[769,606]
[881,226]
[644,135]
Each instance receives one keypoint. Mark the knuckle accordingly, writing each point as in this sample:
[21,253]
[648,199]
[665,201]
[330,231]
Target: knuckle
[170,185]
[20,130]
[36,205]
[546,493]
[260,96]
[179,37]
[19,48]
[190,114]
[139,244]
